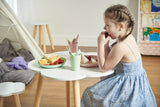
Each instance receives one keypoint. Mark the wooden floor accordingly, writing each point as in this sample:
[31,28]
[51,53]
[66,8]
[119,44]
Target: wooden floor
[53,92]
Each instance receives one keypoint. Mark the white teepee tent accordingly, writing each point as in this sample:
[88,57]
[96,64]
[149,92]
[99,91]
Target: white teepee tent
[13,29]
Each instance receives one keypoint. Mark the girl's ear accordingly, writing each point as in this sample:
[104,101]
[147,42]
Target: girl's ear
[121,26]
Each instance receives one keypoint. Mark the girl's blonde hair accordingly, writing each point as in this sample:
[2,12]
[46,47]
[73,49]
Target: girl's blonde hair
[120,13]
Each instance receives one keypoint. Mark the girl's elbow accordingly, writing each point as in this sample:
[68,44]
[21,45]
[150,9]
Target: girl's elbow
[104,69]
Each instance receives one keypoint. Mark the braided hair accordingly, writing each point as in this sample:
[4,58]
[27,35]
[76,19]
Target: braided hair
[120,13]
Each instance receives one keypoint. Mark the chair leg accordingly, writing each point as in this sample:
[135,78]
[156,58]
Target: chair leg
[40,34]
[1,101]
[35,31]
[16,100]
[49,35]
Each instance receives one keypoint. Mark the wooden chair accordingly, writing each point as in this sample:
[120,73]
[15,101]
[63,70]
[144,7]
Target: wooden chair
[11,89]
[42,27]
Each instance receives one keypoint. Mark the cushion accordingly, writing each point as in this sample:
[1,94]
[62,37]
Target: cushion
[24,76]
[7,52]
[3,69]
[26,54]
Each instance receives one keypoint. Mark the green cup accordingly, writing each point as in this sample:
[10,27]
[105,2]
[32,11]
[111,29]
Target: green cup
[75,61]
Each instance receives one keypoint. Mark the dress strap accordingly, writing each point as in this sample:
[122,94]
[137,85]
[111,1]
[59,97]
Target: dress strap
[131,50]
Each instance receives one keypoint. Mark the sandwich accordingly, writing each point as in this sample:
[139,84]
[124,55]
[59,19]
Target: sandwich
[43,61]
[84,59]
[52,57]
[88,59]
[93,60]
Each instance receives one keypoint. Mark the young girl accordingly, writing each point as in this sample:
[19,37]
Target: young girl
[128,86]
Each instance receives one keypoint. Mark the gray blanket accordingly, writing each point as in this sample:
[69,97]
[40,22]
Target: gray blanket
[7,53]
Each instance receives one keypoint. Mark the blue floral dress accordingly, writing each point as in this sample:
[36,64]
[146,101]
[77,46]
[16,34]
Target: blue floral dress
[127,87]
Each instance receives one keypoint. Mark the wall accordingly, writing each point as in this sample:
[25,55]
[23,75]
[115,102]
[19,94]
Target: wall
[67,18]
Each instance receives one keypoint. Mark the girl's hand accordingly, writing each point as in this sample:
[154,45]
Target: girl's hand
[103,38]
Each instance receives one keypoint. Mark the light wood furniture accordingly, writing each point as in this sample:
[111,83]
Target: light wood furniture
[42,28]
[11,89]
[64,74]
[147,20]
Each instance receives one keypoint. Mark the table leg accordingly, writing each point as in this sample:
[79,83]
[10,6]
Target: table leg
[73,93]
[68,93]
[76,90]
[38,90]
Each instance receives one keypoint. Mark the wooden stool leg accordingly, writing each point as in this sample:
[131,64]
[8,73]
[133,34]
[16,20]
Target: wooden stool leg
[76,90]
[49,35]
[1,101]
[44,41]
[16,100]
[35,31]
[40,33]
[68,93]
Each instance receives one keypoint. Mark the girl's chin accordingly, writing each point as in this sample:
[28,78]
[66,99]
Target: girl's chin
[112,37]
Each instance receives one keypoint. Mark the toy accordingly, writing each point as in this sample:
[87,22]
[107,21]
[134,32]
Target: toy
[18,63]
